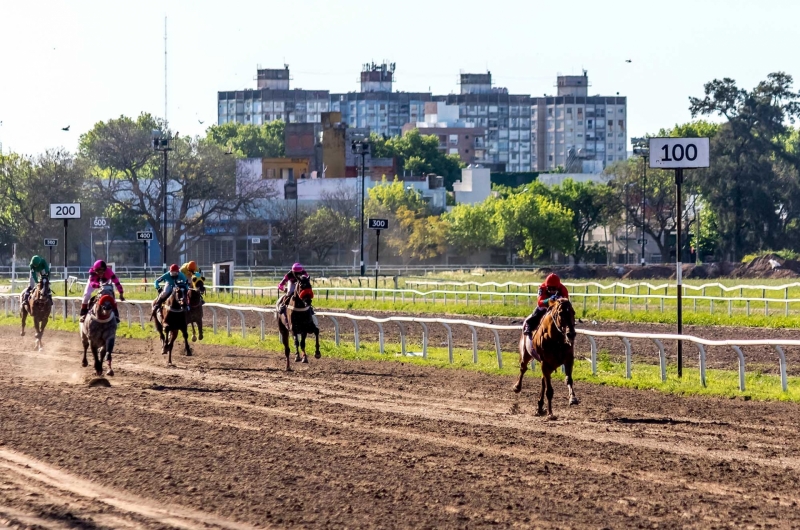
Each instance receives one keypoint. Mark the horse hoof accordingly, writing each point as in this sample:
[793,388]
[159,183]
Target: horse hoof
[552,417]
[317,355]
[573,401]
[99,373]
[541,413]
[305,359]
[194,339]
[85,364]
[516,389]
[22,334]
[189,353]
[297,358]
[110,373]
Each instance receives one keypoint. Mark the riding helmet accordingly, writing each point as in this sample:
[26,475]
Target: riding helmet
[552,280]
[297,268]
[99,264]
[173,270]
[36,261]
[192,266]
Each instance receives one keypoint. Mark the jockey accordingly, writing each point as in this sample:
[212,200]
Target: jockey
[39,267]
[99,273]
[171,278]
[292,278]
[551,289]
[190,271]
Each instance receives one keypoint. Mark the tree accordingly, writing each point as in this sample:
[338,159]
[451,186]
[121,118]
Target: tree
[27,187]
[660,201]
[692,129]
[250,141]
[202,182]
[742,185]
[418,154]
[469,228]
[590,204]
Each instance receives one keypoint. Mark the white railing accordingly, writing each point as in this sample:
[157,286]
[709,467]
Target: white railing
[11,304]
[610,286]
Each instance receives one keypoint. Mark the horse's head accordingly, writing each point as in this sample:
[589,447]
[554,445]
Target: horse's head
[303,291]
[106,289]
[42,293]
[104,307]
[564,319]
[177,299]
[200,285]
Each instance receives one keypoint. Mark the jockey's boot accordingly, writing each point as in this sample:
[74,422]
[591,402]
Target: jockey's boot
[26,295]
[84,311]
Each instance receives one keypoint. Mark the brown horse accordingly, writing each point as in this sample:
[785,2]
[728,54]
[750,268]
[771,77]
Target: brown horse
[171,319]
[38,305]
[99,330]
[195,314]
[553,345]
[301,322]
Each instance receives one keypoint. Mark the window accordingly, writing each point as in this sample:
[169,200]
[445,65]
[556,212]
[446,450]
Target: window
[619,148]
[580,111]
[580,135]
[466,137]
[580,122]
[383,106]
[621,123]
[466,151]
[621,135]
[569,111]
[454,151]
[550,158]
[611,135]
[610,158]
[550,112]
[610,123]
[453,139]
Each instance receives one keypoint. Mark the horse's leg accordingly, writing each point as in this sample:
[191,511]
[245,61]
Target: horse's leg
[317,354]
[285,339]
[24,314]
[549,392]
[98,361]
[110,349]
[540,408]
[524,359]
[187,348]
[297,357]
[303,345]
[85,341]
[194,335]
[200,328]
[568,365]
[171,336]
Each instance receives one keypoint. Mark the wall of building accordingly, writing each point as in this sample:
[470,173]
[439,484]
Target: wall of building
[474,187]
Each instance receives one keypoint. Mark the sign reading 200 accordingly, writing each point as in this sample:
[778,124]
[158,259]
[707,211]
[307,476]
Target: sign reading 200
[65,211]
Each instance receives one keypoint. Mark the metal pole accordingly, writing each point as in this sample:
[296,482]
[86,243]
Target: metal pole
[377,259]
[164,235]
[363,185]
[644,194]
[626,223]
[66,246]
[50,261]
[296,233]
[146,247]
[108,257]
[678,257]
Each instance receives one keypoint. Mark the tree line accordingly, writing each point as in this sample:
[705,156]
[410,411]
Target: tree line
[747,201]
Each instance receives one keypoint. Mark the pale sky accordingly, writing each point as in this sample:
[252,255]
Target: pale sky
[78,62]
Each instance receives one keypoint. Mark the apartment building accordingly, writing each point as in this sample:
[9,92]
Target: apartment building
[456,136]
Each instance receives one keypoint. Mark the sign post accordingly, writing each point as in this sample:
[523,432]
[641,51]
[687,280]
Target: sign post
[50,243]
[102,223]
[679,154]
[66,212]
[145,236]
[378,225]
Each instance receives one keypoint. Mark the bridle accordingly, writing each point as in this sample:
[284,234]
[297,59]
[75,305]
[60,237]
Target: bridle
[556,321]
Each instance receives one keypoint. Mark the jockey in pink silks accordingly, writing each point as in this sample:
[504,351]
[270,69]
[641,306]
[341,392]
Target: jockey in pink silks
[99,273]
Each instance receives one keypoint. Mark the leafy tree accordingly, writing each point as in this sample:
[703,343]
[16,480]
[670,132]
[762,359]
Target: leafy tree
[324,228]
[660,201]
[419,154]
[590,204]
[202,182]
[705,236]
[27,187]
[250,141]
[742,185]
[469,228]
[692,129]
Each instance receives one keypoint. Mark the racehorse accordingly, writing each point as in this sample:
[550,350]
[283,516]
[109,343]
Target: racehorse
[300,320]
[195,313]
[553,345]
[39,305]
[99,330]
[172,318]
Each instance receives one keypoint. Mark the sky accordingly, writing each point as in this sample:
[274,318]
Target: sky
[74,63]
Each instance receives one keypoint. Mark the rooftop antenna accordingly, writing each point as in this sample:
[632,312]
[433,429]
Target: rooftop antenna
[165,72]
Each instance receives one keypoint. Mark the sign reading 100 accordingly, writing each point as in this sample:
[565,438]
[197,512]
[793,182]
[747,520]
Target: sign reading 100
[678,153]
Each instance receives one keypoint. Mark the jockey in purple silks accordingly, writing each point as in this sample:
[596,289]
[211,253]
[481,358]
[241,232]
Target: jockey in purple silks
[99,273]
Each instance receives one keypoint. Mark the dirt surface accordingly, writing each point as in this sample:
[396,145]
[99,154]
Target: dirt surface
[226,439]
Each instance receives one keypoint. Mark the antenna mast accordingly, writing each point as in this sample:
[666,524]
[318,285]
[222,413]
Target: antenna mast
[165,72]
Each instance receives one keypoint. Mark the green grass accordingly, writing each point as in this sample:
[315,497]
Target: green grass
[721,383]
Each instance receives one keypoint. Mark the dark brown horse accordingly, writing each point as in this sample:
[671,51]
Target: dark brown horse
[99,330]
[552,345]
[194,316]
[301,322]
[38,305]
[171,319]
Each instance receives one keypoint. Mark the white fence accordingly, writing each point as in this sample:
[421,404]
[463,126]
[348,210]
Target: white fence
[11,304]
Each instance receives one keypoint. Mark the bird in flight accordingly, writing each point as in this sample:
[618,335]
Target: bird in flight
[201,122]
[628,60]
[65,128]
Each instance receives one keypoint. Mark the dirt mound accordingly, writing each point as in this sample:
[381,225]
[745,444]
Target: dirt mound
[768,266]
[582,272]
[650,272]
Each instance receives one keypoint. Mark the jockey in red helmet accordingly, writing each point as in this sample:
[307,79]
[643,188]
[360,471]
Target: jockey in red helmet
[551,289]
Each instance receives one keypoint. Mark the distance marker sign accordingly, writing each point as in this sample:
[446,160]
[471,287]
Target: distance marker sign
[51,242]
[65,211]
[679,153]
[379,224]
[144,236]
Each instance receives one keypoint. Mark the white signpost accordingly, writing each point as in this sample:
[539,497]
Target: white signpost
[378,225]
[65,211]
[50,243]
[145,236]
[679,154]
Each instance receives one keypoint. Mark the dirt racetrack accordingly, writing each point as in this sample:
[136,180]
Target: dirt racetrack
[228,440]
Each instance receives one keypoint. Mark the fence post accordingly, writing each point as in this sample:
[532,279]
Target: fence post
[474,344]
[380,336]
[702,351]
[786,297]
[627,356]
[593,349]
[662,360]
[449,341]
[738,351]
[424,340]
[498,349]
[782,360]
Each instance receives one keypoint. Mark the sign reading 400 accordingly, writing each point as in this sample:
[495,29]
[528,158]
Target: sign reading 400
[65,211]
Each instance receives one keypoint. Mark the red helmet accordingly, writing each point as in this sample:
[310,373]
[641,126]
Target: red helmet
[174,268]
[552,280]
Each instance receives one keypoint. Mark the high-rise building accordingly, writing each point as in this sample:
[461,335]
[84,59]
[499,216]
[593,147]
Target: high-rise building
[376,106]
[572,129]
[456,135]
